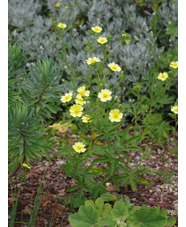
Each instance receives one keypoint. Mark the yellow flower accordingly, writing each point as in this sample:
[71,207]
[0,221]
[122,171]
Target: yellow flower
[115,115]
[61,25]
[26,166]
[174,109]
[66,7]
[105,95]
[163,76]
[85,119]
[66,98]
[127,41]
[79,100]
[76,110]
[96,29]
[107,184]
[79,147]
[92,60]
[114,67]
[102,40]
[58,4]
[83,92]
[174,64]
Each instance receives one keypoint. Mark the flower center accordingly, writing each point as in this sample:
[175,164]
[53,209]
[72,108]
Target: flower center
[105,96]
[67,98]
[115,115]
[82,92]
[76,111]
[114,67]
[163,76]
[79,148]
[92,61]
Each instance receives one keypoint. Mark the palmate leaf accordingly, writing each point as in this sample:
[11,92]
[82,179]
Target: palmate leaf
[150,217]
[120,211]
[107,197]
[86,217]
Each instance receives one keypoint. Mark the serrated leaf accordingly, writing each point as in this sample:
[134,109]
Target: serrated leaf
[99,204]
[120,211]
[107,221]
[170,221]
[149,217]
[107,197]
[86,217]
[90,203]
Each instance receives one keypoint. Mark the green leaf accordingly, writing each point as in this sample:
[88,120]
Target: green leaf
[86,217]
[120,211]
[149,217]
[172,30]
[170,221]
[73,188]
[133,185]
[79,201]
[97,190]
[107,221]
[107,197]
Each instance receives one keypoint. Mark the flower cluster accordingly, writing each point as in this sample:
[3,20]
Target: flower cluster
[76,110]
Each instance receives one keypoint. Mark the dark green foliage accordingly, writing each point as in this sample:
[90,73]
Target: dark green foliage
[25,135]
[32,99]
[16,72]
[122,214]
[42,89]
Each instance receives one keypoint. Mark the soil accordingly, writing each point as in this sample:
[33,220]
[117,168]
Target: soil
[55,184]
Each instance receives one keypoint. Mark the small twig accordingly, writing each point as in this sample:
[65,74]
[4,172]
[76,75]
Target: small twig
[163,205]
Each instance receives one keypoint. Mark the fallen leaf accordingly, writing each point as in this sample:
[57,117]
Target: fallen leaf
[27,209]
[57,209]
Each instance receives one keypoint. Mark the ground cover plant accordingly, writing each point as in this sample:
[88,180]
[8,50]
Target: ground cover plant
[93,113]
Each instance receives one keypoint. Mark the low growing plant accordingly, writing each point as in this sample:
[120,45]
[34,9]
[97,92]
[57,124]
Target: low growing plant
[122,214]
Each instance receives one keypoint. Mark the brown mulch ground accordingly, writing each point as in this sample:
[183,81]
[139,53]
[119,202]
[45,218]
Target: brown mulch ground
[55,184]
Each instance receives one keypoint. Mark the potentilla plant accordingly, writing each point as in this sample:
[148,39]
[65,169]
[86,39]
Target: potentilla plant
[98,110]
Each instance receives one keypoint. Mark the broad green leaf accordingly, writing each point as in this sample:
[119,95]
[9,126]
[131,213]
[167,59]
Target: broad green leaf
[120,211]
[90,203]
[99,203]
[86,217]
[107,221]
[170,221]
[149,217]
[107,197]
[79,201]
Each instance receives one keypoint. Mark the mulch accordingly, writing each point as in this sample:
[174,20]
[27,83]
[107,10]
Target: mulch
[55,184]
